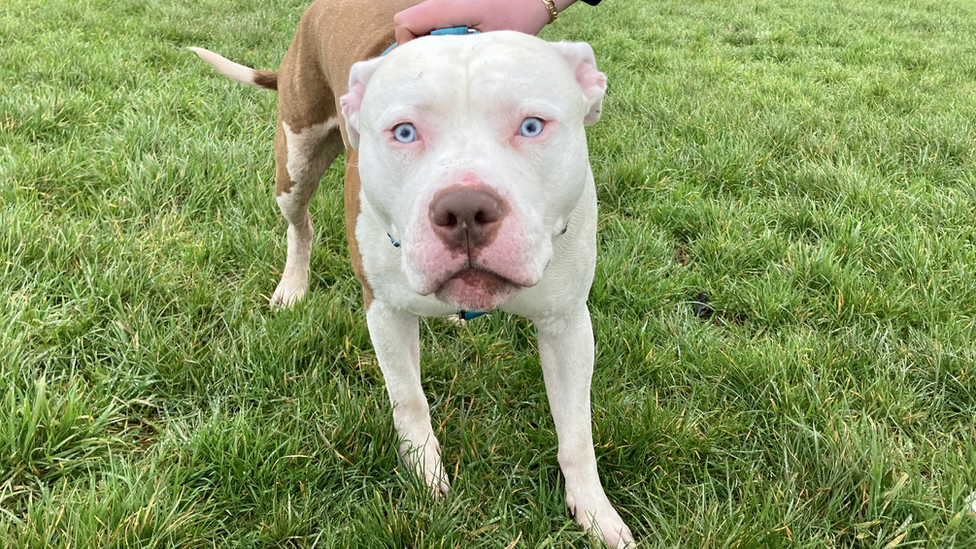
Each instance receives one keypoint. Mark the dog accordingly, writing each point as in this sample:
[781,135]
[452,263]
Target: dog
[467,188]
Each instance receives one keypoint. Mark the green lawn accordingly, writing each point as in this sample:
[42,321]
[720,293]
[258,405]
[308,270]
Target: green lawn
[808,165]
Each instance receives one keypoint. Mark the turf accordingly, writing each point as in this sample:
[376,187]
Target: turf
[784,300]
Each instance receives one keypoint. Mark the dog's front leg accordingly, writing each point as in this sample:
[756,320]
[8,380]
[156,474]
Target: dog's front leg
[396,339]
[566,350]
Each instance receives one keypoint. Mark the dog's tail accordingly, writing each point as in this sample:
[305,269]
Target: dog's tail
[238,73]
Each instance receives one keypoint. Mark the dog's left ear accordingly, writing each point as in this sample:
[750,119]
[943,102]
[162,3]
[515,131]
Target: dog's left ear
[592,82]
[351,102]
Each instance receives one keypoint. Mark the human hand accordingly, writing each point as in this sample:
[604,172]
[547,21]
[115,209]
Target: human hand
[528,16]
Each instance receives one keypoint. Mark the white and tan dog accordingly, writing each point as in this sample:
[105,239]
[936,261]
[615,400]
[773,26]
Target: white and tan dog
[476,194]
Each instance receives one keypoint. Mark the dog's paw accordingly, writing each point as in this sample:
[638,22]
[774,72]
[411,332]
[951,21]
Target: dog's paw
[598,517]
[288,293]
[425,461]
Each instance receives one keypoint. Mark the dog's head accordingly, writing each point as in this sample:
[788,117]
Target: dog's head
[472,153]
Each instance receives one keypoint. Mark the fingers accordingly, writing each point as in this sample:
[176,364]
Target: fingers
[435,14]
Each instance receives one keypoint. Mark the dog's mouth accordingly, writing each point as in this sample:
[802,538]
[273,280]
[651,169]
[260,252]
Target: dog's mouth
[475,289]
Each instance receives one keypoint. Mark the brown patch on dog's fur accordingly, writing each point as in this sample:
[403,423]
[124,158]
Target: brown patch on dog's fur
[313,74]
[266,79]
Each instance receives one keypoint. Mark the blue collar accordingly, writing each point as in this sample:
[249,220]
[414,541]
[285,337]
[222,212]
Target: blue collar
[441,32]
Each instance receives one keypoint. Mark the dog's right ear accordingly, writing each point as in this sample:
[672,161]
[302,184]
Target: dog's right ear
[351,102]
[593,83]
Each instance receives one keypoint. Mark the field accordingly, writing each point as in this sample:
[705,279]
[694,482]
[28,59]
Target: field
[784,304]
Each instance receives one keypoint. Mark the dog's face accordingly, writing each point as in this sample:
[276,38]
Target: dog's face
[473,155]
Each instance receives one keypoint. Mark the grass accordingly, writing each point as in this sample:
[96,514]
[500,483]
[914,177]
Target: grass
[808,166]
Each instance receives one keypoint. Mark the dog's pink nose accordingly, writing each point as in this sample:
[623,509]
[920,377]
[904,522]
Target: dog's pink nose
[466,218]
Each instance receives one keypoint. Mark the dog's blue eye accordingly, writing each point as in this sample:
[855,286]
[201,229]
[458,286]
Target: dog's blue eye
[531,127]
[405,132]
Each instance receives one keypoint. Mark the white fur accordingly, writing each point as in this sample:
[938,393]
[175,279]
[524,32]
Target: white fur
[304,161]
[305,166]
[466,97]
[226,67]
